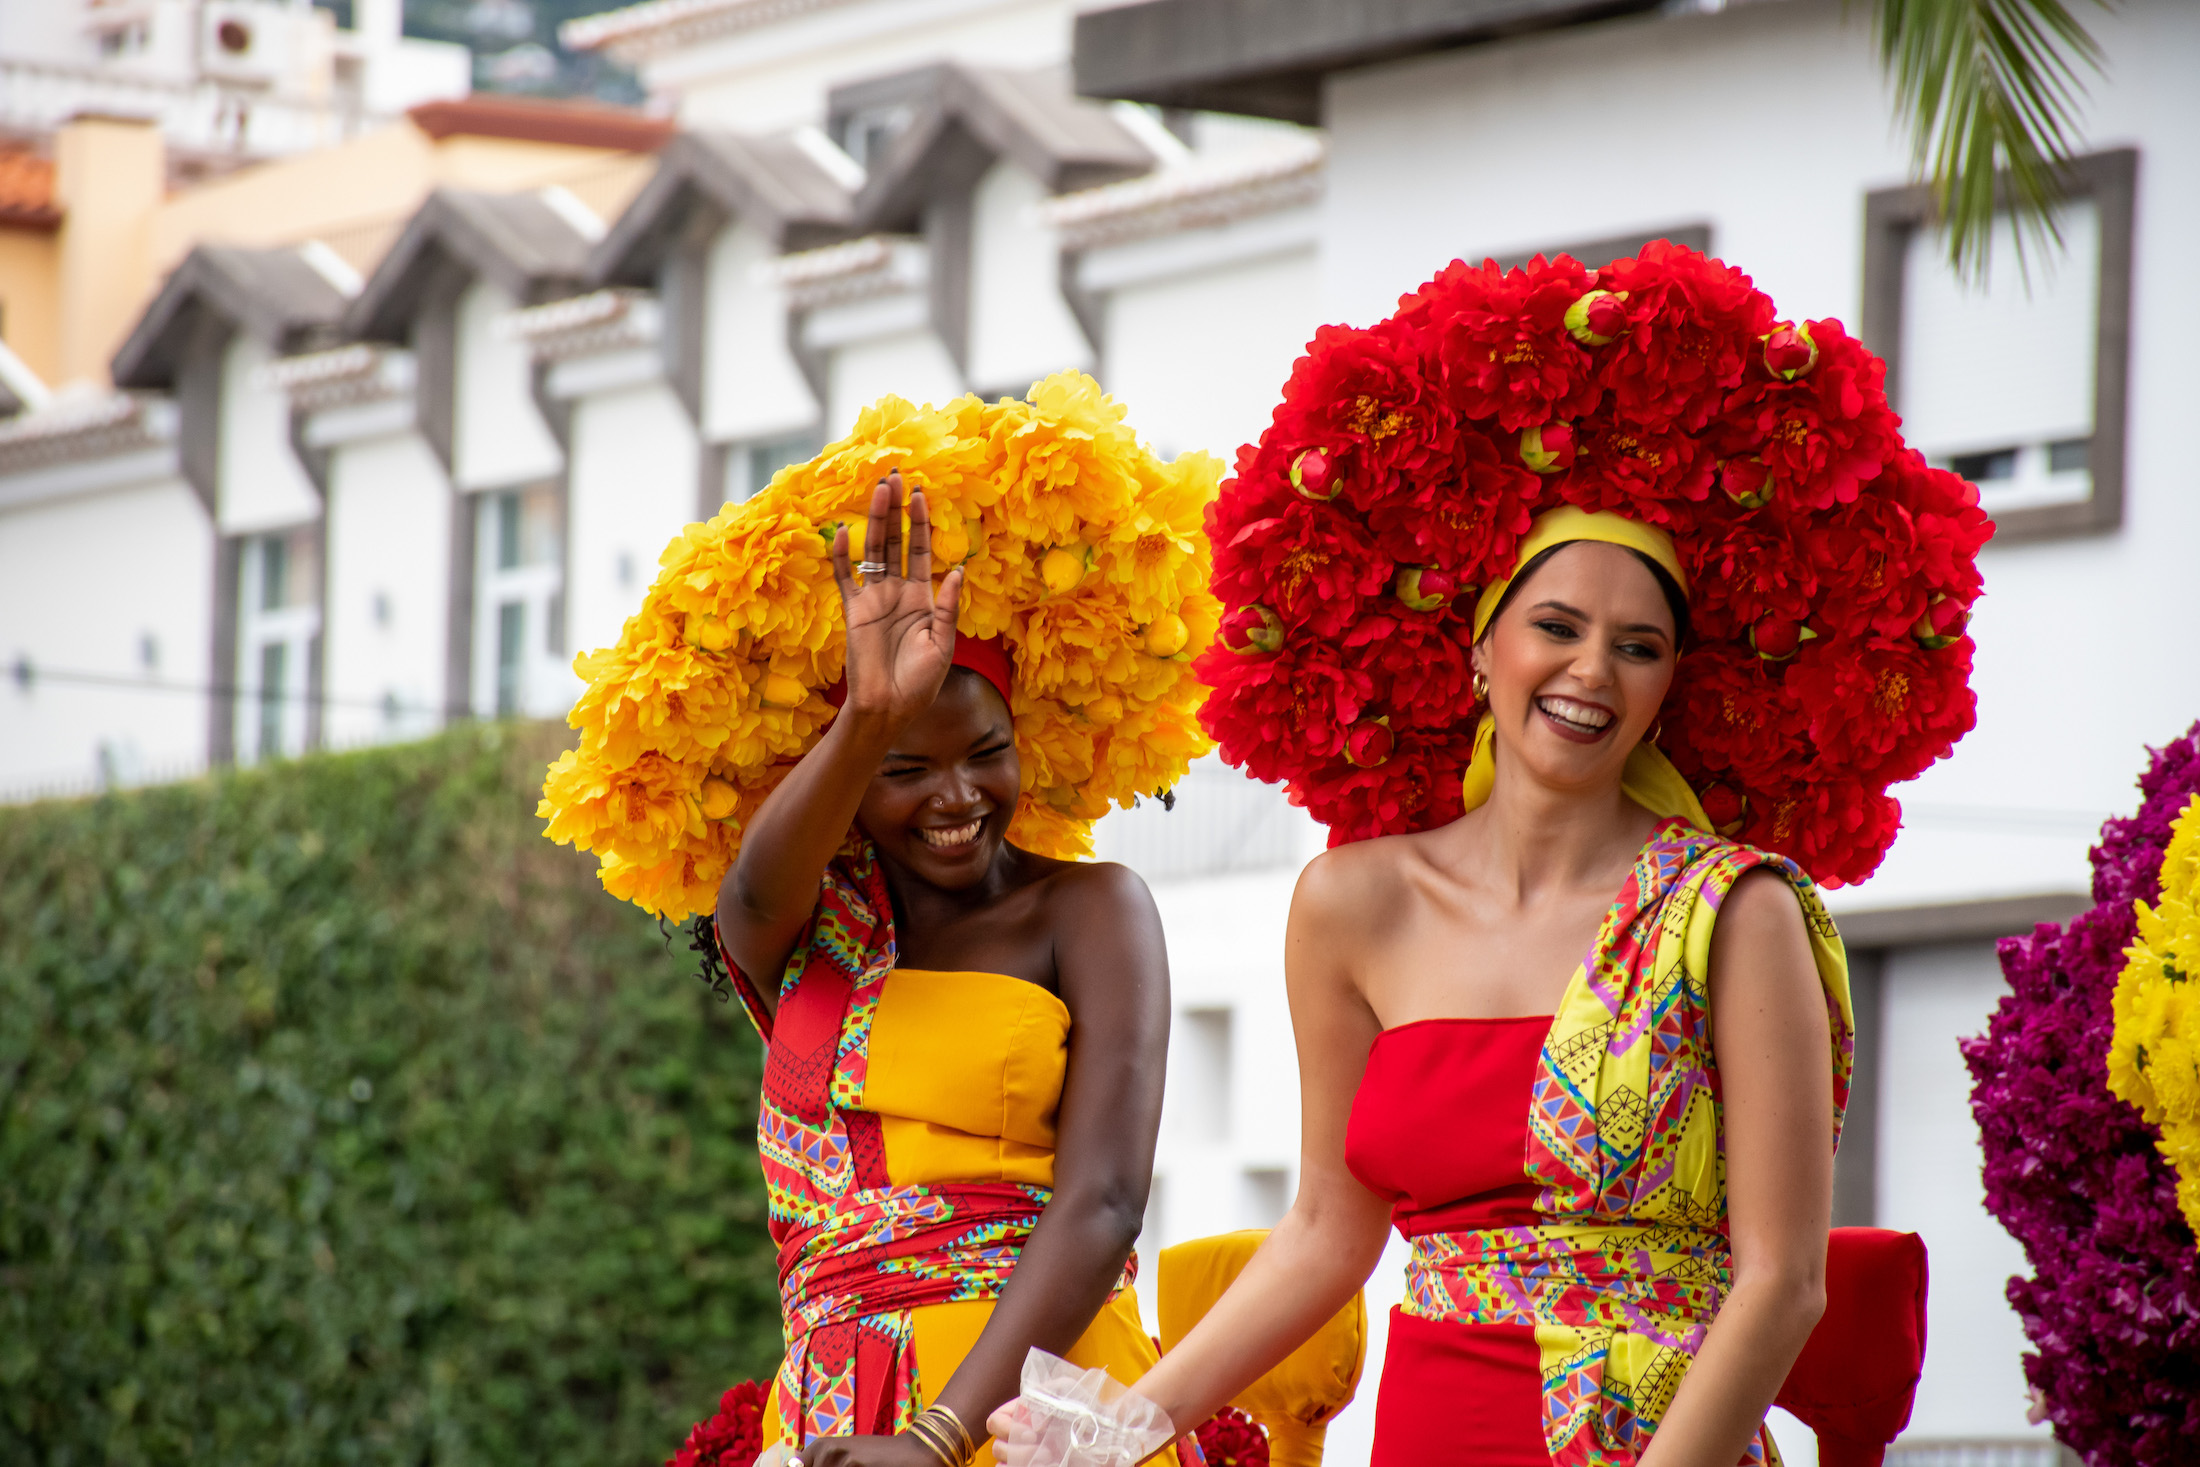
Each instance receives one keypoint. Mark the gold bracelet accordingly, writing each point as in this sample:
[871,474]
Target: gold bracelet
[932,1444]
[934,1425]
[962,1432]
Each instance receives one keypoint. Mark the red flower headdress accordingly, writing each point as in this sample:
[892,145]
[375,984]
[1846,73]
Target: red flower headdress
[1831,571]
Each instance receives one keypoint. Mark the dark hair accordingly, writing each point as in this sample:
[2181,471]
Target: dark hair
[1676,600]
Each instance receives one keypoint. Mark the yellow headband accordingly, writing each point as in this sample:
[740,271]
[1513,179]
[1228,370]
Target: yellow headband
[1568,523]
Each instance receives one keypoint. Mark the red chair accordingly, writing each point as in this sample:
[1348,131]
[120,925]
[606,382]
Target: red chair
[1856,1379]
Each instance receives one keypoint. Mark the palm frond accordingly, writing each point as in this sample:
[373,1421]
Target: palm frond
[1989,88]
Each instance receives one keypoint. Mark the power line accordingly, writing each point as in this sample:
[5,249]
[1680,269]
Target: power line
[28,675]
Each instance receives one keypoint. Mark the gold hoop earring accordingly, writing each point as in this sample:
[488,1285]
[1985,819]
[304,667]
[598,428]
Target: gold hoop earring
[1481,688]
[1659,729]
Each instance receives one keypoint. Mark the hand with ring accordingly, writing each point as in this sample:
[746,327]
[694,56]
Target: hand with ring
[901,635]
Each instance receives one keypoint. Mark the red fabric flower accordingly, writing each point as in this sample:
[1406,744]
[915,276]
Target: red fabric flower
[1416,788]
[1837,828]
[1693,324]
[1867,559]
[1276,714]
[1365,400]
[1745,565]
[1823,434]
[1468,521]
[1310,563]
[1420,664]
[1230,1438]
[1505,350]
[730,1438]
[1649,476]
[1885,708]
[1730,712]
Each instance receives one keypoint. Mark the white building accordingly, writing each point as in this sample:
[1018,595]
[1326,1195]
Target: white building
[228,80]
[355,509]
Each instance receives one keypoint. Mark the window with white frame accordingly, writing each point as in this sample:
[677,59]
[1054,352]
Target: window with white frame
[519,604]
[278,625]
[2015,381]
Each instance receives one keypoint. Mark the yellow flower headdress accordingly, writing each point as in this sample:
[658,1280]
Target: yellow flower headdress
[1083,551]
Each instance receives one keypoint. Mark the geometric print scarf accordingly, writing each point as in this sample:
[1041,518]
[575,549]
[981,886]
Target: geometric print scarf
[1621,1278]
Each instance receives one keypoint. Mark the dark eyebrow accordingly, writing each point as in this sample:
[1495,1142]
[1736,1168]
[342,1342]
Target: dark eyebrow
[1640,626]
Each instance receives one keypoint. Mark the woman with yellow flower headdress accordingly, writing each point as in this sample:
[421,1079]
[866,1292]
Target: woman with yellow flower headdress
[1546,594]
[876,795]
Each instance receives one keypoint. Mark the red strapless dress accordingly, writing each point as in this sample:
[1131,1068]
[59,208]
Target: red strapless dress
[1439,1128]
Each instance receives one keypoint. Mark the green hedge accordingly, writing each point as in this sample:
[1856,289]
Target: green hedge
[345,1119]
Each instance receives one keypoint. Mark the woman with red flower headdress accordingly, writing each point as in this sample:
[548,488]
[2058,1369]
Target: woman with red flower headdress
[1570,1012]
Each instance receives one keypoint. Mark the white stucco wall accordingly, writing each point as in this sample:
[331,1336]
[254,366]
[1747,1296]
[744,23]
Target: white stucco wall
[1929,1184]
[498,436]
[389,568]
[633,486]
[1020,327]
[2080,658]
[263,486]
[1199,355]
[909,363]
[89,583]
[751,385]
[779,74]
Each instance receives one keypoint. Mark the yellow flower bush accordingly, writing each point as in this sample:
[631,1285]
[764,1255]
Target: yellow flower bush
[1082,550]
[2154,1056]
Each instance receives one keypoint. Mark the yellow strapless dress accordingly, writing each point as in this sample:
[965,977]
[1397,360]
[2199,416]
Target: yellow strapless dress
[965,1077]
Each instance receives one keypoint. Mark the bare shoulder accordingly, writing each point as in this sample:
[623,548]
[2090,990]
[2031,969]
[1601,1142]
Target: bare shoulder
[1096,891]
[1357,886]
[1761,906]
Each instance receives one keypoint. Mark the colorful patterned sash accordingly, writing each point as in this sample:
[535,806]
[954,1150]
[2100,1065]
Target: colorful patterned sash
[1624,1133]
[856,1252]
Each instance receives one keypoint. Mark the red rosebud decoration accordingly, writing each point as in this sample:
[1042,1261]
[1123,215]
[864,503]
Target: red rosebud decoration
[1370,742]
[1424,587]
[1598,318]
[1746,481]
[1943,622]
[1724,807]
[1789,352]
[1314,475]
[1830,567]
[1250,631]
[1230,1438]
[1548,449]
[1776,639]
[730,1438]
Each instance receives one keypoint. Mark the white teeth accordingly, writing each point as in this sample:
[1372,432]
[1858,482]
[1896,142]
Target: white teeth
[1584,714]
[955,836]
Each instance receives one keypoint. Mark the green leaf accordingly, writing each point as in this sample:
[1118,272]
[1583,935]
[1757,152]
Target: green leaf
[1991,92]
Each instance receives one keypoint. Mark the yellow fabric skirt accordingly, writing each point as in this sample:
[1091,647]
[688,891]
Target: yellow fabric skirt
[945,1333]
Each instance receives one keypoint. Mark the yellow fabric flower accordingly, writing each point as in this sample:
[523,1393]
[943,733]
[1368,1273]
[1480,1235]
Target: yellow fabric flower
[716,685]
[2154,1055]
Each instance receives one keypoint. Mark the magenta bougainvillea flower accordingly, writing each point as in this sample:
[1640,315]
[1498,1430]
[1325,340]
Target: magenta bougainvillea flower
[2112,1307]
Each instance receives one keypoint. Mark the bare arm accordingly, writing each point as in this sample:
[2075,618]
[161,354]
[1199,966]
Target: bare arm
[1331,1239]
[1769,1032]
[1114,969]
[900,640]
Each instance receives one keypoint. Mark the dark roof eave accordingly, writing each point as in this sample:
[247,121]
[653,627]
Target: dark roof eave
[272,293]
[1268,58]
[733,177]
[529,259]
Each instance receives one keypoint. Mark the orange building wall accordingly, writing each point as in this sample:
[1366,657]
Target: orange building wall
[30,298]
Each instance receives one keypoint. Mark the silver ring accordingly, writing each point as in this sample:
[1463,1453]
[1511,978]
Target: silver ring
[794,1462]
[865,568]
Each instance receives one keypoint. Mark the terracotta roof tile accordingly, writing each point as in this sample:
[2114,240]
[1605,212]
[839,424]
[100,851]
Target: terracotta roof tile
[579,124]
[26,190]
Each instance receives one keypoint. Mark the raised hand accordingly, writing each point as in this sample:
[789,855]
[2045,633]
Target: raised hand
[901,636]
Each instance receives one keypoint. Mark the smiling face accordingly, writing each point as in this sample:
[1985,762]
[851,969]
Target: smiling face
[1578,663]
[941,801]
